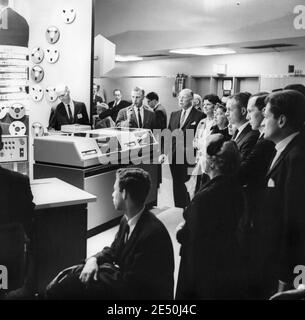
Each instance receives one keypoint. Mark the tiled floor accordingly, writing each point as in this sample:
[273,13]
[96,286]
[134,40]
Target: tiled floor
[165,211]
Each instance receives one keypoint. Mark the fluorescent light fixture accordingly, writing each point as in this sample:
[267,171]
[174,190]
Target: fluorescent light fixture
[127,58]
[204,51]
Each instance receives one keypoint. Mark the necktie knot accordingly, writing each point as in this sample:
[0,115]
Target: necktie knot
[235,134]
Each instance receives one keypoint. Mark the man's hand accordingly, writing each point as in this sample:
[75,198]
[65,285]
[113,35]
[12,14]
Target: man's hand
[90,271]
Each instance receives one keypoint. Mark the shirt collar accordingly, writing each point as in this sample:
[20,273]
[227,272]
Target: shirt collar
[133,221]
[280,146]
[242,127]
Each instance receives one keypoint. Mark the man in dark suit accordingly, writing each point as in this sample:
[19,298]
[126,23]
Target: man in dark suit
[17,207]
[252,175]
[137,115]
[236,113]
[96,98]
[14,29]
[183,123]
[68,111]
[115,106]
[283,223]
[159,110]
[140,262]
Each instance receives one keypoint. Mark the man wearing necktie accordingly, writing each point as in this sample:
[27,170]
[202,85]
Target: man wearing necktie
[184,122]
[137,115]
[283,238]
[244,136]
[68,111]
[140,262]
[115,106]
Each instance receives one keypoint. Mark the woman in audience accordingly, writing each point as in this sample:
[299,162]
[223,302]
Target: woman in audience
[197,102]
[210,266]
[221,121]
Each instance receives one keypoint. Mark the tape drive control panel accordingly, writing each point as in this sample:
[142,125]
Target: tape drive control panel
[15,148]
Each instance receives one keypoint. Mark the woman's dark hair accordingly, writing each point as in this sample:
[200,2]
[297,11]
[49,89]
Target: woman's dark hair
[213,98]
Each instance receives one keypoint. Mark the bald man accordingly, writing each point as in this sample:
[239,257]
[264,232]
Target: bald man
[68,111]
[186,119]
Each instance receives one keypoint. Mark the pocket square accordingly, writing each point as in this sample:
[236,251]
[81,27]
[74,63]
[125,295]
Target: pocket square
[193,123]
[271,183]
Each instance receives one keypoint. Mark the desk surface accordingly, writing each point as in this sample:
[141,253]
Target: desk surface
[52,193]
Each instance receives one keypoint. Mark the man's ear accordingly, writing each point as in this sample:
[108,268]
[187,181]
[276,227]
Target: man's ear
[243,111]
[282,121]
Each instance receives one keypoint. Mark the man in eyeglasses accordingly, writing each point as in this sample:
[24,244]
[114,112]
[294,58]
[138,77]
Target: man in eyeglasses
[68,111]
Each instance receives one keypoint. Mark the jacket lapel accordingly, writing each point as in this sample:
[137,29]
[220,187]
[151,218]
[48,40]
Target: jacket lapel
[63,111]
[243,134]
[281,157]
[189,118]
[134,236]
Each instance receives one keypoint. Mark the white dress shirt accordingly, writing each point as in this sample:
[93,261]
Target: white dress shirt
[281,146]
[240,129]
[71,104]
[187,113]
[141,113]
[133,221]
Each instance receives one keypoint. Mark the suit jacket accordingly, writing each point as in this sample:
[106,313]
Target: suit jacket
[16,200]
[161,117]
[148,121]
[254,167]
[190,124]
[146,261]
[210,265]
[114,110]
[16,32]
[283,223]
[246,141]
[60,116]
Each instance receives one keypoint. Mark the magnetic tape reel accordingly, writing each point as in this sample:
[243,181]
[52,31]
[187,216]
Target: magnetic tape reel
[17,111]
[17,128]
[3,112]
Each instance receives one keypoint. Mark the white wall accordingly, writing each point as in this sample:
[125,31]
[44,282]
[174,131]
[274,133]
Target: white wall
[73,66]
[126,75]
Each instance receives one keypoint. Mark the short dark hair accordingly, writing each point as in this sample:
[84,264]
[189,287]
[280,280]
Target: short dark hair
[152,96]
[297,87]
[213,98]
[260,103]
[289,103]
[136,182]
[241,98]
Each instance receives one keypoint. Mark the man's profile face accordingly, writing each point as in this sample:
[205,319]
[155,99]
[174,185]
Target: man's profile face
[117,197]
[233,112]
[185,99]
[254,115]
[270,125]
[117,95]
[137,98]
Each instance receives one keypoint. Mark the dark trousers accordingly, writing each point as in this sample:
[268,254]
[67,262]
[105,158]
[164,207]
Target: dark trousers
[67,285]
[180,176]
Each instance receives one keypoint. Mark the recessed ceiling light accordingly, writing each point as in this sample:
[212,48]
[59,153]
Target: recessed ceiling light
[204,51]
[120,58]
